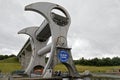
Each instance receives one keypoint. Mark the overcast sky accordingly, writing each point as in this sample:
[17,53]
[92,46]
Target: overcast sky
[94,30]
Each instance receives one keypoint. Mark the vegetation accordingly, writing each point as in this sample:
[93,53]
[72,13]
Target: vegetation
[96,69]
[9,60]
[115,61]
[2,57]
[93,69]
[9,65]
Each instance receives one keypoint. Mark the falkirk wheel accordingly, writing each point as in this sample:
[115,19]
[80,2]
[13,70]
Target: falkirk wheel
[55,26]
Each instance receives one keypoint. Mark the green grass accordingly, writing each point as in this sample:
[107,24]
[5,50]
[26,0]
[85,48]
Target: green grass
[12,64]
[9,65]
[96,69]
[9,60]
[93,69]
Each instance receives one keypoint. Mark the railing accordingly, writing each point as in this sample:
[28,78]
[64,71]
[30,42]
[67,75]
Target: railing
[105,77]
[101,77]
[84,77]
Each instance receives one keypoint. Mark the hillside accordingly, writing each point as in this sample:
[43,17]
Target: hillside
[12,64]
[10,60]
[9,65]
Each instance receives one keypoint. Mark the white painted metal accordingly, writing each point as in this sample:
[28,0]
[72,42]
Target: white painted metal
[44,50]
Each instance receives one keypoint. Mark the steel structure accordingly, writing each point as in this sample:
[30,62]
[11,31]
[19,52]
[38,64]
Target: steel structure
[55,26]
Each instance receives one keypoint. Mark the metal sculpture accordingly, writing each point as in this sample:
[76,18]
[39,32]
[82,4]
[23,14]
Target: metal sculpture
[56,26]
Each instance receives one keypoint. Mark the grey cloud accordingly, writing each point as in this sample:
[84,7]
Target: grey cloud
[98,22]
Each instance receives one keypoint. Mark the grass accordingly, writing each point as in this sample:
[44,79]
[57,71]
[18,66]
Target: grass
[93,69]
[12,64]
[9,65]
[9,60]
[96,69]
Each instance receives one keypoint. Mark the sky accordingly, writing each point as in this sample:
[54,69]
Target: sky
[94,29]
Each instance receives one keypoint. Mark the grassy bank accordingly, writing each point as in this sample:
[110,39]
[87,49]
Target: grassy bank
[95,69]
[12,64]
[9,65]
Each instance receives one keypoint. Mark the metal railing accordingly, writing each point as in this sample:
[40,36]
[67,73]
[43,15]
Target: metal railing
[101,77]
[91,76]
[105,77]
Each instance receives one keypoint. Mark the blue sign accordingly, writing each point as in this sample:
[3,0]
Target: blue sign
[63,56]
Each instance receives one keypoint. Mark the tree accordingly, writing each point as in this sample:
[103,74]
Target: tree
[115,61]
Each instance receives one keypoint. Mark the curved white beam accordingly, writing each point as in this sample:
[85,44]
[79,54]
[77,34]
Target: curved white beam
[44,50]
